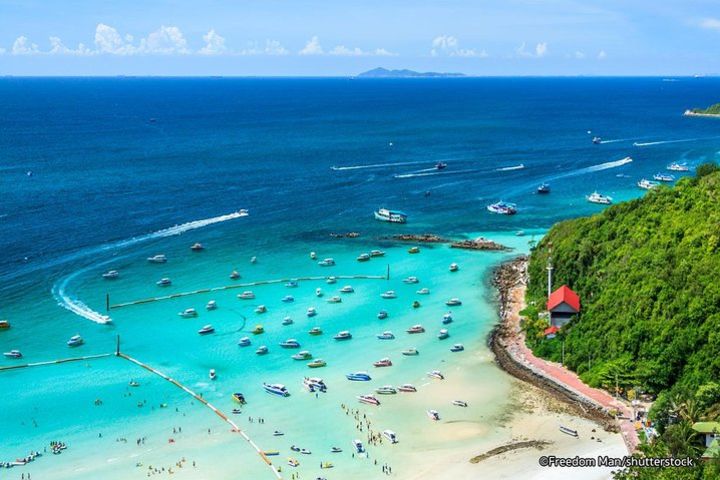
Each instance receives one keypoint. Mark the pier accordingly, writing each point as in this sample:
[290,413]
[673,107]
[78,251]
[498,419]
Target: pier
[245,285]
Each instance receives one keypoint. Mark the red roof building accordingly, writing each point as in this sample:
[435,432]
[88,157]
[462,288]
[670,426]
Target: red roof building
[563,304]
[550,332]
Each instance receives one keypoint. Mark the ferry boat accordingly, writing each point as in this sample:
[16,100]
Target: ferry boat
[206,329]
[407,388]
[317,363]
[164,282]
[111,275]
[392,216]
[458,347]
[454,267]
[75,341]
[262,350]
[347,289]
[319,292]
[386,390]
[369,399]
[385,362]
[416,329]
[647,184]
[311,312]
[443,334]
[433,414]
[543,188]
[304,355]
[288,299]
[377,253]
[502,208]
[447,318]
[358,377]
[315,331]
[344,335]
[287,321]
[411,280]
[157,259]
[291,284]
[387,335]
[276,389]
[453,302]
[188,313]
[423,291]
[597,140]
[363,257]
[330,280]
[663,177]
[239,398]
[234,275]
[261,309]
[440,166]
[290,343]
[4,324]
[390,435]
[358,445]
[212,374]
[436,374]
[211,305]
[596,197]
[246,295]
[678,167]
[314,384]
[382,315]
[13,354]
[196,247]
[328,262]
[258,330]
[244,342]
[414,250]
[410,352]
[389,294]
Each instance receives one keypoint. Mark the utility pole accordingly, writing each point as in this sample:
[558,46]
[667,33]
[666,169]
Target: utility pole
[563,353]
[549,271]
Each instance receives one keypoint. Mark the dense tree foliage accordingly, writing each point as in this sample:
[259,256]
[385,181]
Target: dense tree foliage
[711,110]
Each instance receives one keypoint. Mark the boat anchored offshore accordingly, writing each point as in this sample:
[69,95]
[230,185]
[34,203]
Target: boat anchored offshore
[358,445]
[315,331]
[382,315]
[315,384]
[344,335]
[75,341]
[304,355]
[543,188]
[502,208]
[460,403]
[414,250]
[363,257]
[358,377]
[389,294]
[206,330]
[412,351]
[258,330]
[436,374]
[416,329]
[311,312]
[164,282]
[246,295]
[411,279]
[678,167]
[423,291]
[319,292]
[211,305]
[188,313]
[276,389]
[647,184]
[111,275]
[458,347]
[454,267]
[386,335]
[287,321]
[447,318]
[196,247]
[347,289]
[317,363]
[384,362]
[213,374]
[369,399]
[234,275]
[596,197]
[334,299]
[288,299]
[239,398]
[392,216]
[157,259]
[433,414]
[386,390]
[328,262]
[407,388]
[377,253]
[290,343]
[443,334]
[261,309]
[262,350]
[13,354]
[453,302]
[390,435]
[291,284]
[244,342]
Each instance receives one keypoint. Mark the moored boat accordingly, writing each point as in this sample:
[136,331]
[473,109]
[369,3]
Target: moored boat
[436,374]
[290,343]
[407,388]
[392,216]
[358,445]
[206,330]
[13,354]
[234,275]
[443,334]
[416,329]
[311,312]
[454,267]
[211,305]
[502,208]
[369,399]
[334,299]
[327,262]
[258,330]
[164,282]
[261,309]
[196,247]
[75,341]
[411,279]
[246,295]
[188,313]
[276,389]
[389,294]
[4,324]
[330,280]
[343,335]
[319,292]
[410,352]
[314,384]
[416,304]
[646,184]
[390,435]
[363,257]
[414,250]
[377,253]
[382,315]
[304,355]
[288,299]
[460,403]
[568,431]
[291,284]
[543,188]
[386,390]
[433,414]
[317,363]
[596,197]
[262,350]
[347,289]
[423,291]
[313,256]
[287,321]
[358,377]
[212,374]
[453,302]
[663,177]
[384,362]
[157,259]
[447,318]
[111,275]
[244,342]
[678,167]
[315,331]
[458,347]
[386,335]
[239,398]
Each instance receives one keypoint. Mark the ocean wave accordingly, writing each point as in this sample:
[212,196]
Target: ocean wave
[510,168]
[434,173]
[377,165]
[662,142]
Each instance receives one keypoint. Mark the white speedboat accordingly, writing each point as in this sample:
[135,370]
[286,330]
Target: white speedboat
[211,305]
[313,256]
[290,343]
[358,377]
[157,259]
[358,445]
[261,309]
[304,355]
[334,299]
[188,313]
[327,262]
[347,289]
[386,390]
[663,177]
[646,184]
[317,363]
[253,259]
[502,208]
[314,384]
[377,253]
[319,292]
[344,335]
[678,167]
[389,294]
[246,295]
[287,321]
[262,350]
[369,399]
[363,257]
[234,275]
[433,414]
[196,247]
[392,216]
[386,335]
[164,282]
[206,330]
[315,331]
[447,318]
[423,291]
[596,197]
[288,299]
[409,352]
[75,341]
[407,388]
[390,435]
[212,375]
[411,280]
[436,374]
[443,334]
[454,267]
[596,140]
[440,166]
[330,280]
[458,347]
[13,354]
[416,329]
[453,302]
[291,284]
[244,342]
[382,315]
[384,362]
[311,312]
[276,389]
[111,275]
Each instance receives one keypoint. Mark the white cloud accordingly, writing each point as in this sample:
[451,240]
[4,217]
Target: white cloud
[108,40]
[312,47]
[272,47]
[381,52]
[2,51]
[579,55]
[214,44]
[57,47]
[601,55]
[343,51]
[710,23]
[469,52]
[166,41]
[449,45]
[541,50]
[23,46]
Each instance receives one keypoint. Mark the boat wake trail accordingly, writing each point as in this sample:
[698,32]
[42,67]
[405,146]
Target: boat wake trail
[616,140]
[377,165]
[593,168]
[433,173]
[59,290]
[662,142]
[510,168]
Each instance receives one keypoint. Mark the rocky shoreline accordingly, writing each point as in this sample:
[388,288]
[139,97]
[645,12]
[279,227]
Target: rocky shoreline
[474,244]
[506,278]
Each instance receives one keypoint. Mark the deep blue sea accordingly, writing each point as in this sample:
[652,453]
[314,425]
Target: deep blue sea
[94,170]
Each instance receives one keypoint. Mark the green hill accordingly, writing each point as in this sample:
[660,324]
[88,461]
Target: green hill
[711,110]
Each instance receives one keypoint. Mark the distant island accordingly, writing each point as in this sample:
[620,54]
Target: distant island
[711,111]
[405,73]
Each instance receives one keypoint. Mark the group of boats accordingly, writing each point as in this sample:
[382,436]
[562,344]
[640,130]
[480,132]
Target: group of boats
[75,341]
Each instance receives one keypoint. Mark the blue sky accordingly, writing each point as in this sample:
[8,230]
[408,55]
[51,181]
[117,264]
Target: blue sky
[270,37]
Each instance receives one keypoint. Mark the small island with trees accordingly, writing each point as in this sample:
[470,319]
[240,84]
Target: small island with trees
[711,111]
